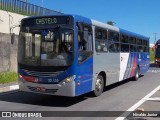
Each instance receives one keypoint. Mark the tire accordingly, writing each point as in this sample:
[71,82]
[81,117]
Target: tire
[99,86]
[136,77]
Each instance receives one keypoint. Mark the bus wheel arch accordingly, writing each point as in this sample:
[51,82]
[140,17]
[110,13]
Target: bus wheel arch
[104,77]
[99,84]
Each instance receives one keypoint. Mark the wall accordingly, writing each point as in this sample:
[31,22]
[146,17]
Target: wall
[8,20]
[8,52]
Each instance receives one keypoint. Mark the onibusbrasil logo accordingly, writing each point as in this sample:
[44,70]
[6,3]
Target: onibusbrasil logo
[21,114]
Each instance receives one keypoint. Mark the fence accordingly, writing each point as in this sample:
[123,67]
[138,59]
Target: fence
[24,8]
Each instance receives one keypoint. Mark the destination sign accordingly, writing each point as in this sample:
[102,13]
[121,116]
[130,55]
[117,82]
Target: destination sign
[51,20]
[44,21]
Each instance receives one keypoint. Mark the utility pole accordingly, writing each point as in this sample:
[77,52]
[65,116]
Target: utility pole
[42,3]
[155,37]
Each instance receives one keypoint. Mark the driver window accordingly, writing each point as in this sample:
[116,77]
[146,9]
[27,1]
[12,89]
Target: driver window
[85,38]
[84,42]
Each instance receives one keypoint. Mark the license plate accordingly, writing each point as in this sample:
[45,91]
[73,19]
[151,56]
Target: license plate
[40,89]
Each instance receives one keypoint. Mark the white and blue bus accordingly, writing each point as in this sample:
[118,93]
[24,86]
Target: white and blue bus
[70,55]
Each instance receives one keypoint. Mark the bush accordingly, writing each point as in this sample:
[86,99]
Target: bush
[7,77]
[152,54]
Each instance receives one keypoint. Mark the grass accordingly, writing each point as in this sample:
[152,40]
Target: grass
[152,55]
[7,77]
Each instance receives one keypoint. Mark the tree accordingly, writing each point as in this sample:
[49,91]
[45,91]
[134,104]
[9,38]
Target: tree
[111,23]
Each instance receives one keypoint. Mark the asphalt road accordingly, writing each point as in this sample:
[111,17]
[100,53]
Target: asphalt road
[117,97]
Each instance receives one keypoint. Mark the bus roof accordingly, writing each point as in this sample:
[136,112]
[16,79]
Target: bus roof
[97,23]
[104,25]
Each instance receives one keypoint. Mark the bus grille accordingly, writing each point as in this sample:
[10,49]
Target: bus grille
[34,89]
[42,74]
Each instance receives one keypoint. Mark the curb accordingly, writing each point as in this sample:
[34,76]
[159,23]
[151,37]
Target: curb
[9,88]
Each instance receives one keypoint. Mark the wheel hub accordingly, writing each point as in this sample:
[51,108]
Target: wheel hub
[98,84]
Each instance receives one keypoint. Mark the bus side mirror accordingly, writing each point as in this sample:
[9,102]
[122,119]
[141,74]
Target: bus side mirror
[85,36]
[79,25]
[12,38]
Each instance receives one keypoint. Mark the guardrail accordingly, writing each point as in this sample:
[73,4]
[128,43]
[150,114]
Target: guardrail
[24,8]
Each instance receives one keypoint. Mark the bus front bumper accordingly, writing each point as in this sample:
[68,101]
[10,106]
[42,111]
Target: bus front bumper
[67,89]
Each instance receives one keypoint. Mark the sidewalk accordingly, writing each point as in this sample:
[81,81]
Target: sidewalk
[9,87]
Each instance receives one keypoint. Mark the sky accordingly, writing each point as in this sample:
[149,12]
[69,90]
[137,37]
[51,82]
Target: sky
[139,16]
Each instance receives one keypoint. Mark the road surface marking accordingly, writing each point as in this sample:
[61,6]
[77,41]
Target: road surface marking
[154,99]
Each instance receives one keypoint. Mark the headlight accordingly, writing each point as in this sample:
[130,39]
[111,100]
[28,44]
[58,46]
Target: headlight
[68,80]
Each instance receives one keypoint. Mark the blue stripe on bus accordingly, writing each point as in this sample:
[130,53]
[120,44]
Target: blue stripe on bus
[84,71]
[143,61]
[84,77]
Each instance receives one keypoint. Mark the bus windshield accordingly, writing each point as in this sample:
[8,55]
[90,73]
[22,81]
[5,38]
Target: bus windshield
[158,51]
[45,47]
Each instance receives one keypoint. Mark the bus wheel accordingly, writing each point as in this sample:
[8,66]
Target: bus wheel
[136,74]
[99,86]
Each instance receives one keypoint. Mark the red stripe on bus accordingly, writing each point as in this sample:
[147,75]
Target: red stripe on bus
[134,67]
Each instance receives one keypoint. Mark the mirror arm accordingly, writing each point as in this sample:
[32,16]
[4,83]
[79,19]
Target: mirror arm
[13,34]
[14,26]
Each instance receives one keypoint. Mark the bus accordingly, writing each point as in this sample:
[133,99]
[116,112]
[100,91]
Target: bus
[70,55]
[157,53]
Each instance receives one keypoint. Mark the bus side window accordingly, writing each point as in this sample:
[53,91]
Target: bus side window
[85,38]
[84,42]
[113,41]
[100,40]
[113,36]
[124,48]
[124,39]
[132,40]
[139,49]
[145,45]
[132,48]
[115,47]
